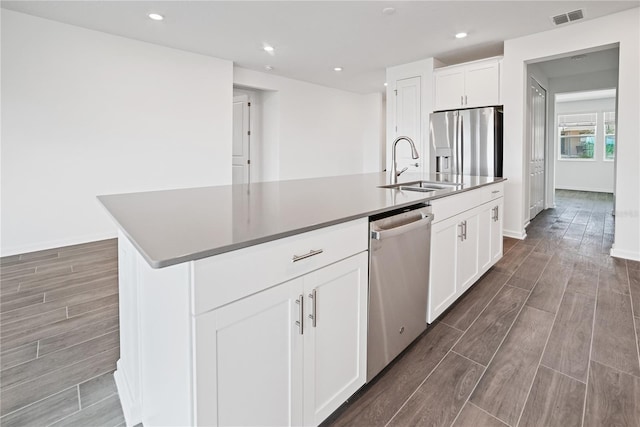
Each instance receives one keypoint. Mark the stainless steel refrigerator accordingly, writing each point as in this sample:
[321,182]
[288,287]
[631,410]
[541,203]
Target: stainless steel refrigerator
[467,142]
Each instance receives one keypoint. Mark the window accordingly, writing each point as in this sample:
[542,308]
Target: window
[609,136]
[577,136]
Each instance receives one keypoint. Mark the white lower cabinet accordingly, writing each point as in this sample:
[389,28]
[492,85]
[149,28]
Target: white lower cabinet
[464,246]
[289,355]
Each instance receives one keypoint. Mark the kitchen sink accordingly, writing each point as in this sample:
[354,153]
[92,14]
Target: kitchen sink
[423,186]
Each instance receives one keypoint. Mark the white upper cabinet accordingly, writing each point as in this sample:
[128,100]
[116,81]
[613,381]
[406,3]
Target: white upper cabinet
[475,84]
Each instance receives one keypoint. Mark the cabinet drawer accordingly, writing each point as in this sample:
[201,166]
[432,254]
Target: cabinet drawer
[447,207]
[227,277]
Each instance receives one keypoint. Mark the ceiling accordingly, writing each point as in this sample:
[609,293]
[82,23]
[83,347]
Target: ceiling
[574,64]
[586,95]
[313,37]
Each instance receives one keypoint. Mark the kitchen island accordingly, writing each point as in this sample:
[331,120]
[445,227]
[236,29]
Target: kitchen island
[247,304]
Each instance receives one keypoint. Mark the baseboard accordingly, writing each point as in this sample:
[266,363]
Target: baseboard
[588,189]
[132,410]
[620,253]
[52,244]
[515,234]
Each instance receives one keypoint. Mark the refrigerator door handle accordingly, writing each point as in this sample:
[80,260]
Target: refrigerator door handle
[459,145]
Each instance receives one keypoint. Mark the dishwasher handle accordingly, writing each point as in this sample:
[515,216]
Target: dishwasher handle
[392,232]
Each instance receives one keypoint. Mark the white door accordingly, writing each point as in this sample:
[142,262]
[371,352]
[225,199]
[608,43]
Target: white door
[408,122]
[335,345]
[241,153]
[537,138]
[248,361]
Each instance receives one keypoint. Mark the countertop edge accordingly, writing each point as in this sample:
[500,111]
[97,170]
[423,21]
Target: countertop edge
[162,263]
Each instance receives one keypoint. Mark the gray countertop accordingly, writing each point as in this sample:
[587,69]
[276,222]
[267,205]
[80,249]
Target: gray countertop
[174,226]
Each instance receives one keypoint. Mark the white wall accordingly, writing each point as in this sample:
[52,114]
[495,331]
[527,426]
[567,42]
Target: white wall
[86,113]
[619,28]
[316,130]
[585,175]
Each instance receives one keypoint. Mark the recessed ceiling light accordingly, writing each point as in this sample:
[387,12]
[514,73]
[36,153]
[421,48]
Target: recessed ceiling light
[156,16]
[389,10]
[385,83]
[268,67]
[337,69]
[268,48]
[461,35]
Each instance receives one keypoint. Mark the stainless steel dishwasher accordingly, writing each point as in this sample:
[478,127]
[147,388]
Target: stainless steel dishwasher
[399,249]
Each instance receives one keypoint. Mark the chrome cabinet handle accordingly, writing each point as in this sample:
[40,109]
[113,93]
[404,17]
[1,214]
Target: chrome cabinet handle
[461,100]
[300,322]
[461,235]
[314,303]
[497,214]
[465,100]
[311,253]
[465,229]
[495,191]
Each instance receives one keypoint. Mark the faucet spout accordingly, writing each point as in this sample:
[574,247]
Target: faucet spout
[394,166]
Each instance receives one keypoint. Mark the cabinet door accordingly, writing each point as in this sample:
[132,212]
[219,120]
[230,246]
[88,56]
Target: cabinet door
[485,239]
[248,361]
[496,232]
[467,260]
[442,276]
[482,84]
[449,88]
[335,345]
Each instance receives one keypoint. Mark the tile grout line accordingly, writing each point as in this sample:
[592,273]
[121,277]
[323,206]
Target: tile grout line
[79,400]
[469,359]
[491,415]
[593,330]
[562,373]
[451,326]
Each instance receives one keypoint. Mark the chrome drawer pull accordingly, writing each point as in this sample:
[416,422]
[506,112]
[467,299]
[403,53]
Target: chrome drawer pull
[495,191]
[311,253]
[300,322]
[314,305]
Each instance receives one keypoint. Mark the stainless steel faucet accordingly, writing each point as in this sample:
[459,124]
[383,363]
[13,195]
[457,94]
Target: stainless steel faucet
[394,167]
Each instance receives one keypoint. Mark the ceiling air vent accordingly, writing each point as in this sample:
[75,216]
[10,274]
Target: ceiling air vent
[568,17]
[575,15]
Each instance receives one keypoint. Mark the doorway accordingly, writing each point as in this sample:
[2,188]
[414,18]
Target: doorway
[241,146]
[537,144]
[578,140]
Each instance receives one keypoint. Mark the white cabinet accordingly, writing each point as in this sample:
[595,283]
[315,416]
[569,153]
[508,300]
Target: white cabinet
[248,361]
[474,84]
[289,355]
[466,237]
[335,345]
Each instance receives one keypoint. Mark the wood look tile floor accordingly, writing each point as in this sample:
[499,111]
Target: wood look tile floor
[59,337]
[548,337]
